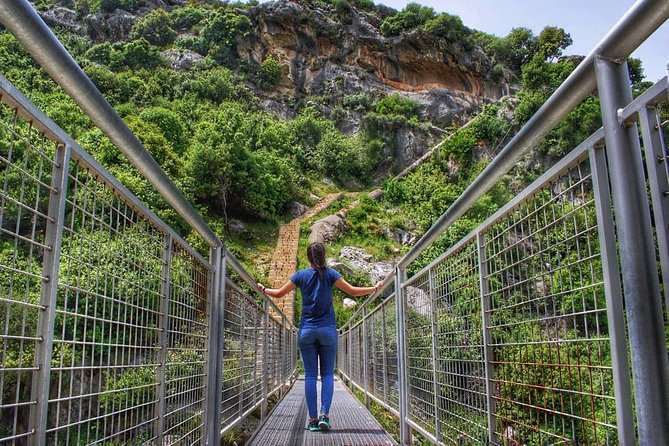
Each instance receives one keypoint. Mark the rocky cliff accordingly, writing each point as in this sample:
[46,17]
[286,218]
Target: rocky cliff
[325,51]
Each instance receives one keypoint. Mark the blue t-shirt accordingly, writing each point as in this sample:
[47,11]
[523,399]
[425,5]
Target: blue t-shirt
[317,308]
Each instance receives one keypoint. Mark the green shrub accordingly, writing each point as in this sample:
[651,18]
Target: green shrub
[451,28]
[396,105]
[271,72]
[358,102]
[170,125]
[183,19]
[411,17]
[136,55]
[155,27]
[219,31]
[129,388]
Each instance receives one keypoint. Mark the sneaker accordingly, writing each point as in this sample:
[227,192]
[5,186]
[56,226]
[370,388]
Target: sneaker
[324,423]
[313,426]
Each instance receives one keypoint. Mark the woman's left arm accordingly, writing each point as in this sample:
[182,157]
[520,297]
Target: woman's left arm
[277,292]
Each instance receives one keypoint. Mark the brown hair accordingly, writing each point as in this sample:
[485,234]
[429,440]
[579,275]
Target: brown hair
[316,256]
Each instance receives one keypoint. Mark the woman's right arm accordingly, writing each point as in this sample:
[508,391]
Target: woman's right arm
[355,291]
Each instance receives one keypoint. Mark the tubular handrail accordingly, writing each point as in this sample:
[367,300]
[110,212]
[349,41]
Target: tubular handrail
[642,19]
[21,19]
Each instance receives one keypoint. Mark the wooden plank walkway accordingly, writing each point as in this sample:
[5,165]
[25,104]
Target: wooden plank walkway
[352,424]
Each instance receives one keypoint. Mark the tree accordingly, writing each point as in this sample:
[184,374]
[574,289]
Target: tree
[637,78]
[450,27]
[551,41]
[218,33]
[136,55]
[516,49]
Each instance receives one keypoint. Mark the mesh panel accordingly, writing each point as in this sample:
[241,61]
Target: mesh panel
[552,360]
[26,163]
[462,406]
[186,352]
[106,334]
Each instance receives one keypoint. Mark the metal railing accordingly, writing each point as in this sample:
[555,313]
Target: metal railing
[113,329]
[521,333]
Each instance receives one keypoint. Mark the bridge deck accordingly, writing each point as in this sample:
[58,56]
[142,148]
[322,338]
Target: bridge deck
[352,424]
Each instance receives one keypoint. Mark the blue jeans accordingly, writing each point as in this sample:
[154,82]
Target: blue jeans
[318,343]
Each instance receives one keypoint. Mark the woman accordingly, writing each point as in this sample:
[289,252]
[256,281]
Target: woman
[317,336]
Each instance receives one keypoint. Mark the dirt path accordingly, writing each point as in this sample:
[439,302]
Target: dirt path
[284,260]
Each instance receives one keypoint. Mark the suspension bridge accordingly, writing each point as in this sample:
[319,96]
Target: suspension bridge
[115,330]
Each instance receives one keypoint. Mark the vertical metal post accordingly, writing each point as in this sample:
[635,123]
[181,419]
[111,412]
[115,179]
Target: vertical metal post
[650,367]
[212,416]
[435,363]
[163,341]
[487,338]
[365,365]
[265,354]
[384,354]
[614,298]
[656,162]
[242,341]
[284,340]
[46,319]
[350,357]
[402,376]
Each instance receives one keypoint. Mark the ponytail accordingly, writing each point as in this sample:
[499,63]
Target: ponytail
[316,256]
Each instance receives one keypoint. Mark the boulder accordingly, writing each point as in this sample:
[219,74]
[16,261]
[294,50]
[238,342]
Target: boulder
[419,300]
[357,257]
[236,227]
[340,267]
[400,236]
[328,228]
[112,27]
[295,209]
[376,194]
[63,17]
[361,260]
[182,60]
[381,270]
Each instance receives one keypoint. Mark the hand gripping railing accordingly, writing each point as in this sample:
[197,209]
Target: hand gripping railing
[517,334]
[113,329]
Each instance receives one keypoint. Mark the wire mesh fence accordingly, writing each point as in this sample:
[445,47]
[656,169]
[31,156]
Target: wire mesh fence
[105,310]
[539,300]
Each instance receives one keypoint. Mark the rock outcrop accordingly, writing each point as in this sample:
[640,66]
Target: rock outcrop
[324,54]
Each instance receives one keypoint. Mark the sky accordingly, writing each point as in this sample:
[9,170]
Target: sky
[587,21]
